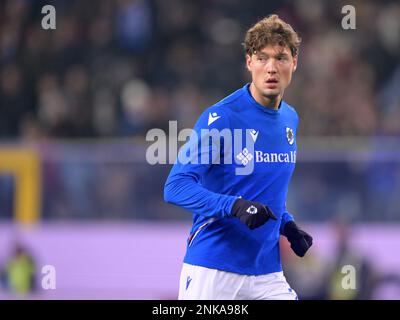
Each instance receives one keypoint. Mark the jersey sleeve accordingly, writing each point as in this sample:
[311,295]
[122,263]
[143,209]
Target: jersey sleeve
[183,186]
[286,217]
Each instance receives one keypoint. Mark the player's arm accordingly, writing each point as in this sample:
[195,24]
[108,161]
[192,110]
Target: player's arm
[300,241]
[183,186]
[286,217]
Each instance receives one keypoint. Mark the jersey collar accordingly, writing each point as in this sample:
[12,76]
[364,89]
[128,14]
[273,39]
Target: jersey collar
[254,103]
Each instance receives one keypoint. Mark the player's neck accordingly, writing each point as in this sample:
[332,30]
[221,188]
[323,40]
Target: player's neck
[268,102]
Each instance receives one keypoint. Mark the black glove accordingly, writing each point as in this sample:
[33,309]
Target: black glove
[300,241]
[251,213]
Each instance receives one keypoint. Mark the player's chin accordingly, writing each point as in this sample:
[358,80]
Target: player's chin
[271,93]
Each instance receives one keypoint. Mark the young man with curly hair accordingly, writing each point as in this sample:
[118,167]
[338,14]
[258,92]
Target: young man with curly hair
[233,247]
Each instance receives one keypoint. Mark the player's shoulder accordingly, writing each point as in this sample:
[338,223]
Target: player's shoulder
[291,110]
[223,108]
[214,116]
[229,100]
[228,103]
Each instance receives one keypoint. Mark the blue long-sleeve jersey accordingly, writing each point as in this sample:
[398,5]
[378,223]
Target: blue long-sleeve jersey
[209,188]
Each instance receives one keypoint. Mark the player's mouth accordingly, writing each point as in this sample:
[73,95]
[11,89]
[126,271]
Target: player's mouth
[271,83]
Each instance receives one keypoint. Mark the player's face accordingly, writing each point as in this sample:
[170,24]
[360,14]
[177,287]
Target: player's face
[271,70]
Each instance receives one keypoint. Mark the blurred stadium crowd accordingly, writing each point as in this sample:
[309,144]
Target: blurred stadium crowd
[120,67]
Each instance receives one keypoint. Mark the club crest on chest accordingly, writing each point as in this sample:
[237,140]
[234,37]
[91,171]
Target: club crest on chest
[289,135]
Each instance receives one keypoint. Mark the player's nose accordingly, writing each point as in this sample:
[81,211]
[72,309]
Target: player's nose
[271,67]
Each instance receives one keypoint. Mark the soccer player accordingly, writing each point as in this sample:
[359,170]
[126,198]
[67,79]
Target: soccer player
[233,247]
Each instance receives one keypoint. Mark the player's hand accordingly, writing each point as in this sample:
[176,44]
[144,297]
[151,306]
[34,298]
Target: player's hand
[253,214]
[300,241]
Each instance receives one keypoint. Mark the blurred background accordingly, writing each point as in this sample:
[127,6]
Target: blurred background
[76,103]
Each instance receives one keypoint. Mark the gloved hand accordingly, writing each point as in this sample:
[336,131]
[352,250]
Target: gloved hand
[300,241]
[253,214]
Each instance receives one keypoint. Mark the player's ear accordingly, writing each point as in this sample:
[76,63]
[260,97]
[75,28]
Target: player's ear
[248,62]
[295,63]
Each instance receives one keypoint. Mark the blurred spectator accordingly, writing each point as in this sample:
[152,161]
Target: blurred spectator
[14,101]
[134,24]
[321,277]
[19,272]
[306,275]
[136,105]
[7,187]
[365,275]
